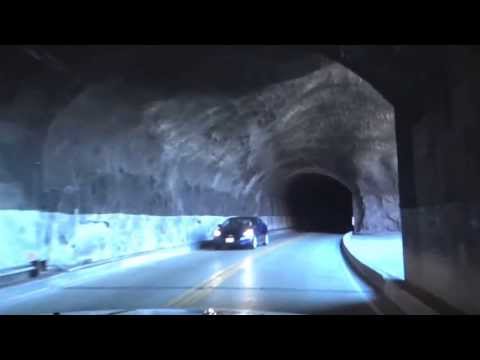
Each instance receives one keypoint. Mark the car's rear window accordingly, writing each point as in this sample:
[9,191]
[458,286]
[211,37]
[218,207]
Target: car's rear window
[238,221]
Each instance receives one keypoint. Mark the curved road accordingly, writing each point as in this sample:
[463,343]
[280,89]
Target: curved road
[301,273]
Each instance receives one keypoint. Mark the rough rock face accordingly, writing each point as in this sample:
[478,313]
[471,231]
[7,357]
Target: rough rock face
[433,90]
[177,147]
[442,230]
[16,163]
[30,96]
[118,148]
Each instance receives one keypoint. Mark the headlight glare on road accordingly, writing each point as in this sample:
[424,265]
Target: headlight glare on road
[248,233]
[217,233]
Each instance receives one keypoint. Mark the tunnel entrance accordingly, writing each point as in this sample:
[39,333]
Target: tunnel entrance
[318,203]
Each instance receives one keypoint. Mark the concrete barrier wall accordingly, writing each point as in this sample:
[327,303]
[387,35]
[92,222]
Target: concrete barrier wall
[67,240]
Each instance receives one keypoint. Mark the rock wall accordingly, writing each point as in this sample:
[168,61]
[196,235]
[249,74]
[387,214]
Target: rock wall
[194,154]
[67,240]
[135,149]
[442,228]
[18,167]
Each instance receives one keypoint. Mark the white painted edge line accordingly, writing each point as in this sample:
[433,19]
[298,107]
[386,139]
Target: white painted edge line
[409,304]
[357,287]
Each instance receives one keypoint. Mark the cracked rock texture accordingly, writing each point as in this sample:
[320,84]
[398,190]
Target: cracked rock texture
[145,146]
[118,148]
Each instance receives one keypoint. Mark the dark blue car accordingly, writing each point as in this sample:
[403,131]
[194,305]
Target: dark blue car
[241,232]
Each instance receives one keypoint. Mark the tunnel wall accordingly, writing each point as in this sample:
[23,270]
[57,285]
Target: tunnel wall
[67,240]
[211,154]
[20,161]
[132,148]
[433,91]
[31,94]
[442,225]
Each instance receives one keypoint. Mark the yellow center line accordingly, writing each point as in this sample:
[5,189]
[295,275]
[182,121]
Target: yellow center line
[206,287]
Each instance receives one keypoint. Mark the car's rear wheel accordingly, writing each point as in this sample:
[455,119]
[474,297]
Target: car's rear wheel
[266,241]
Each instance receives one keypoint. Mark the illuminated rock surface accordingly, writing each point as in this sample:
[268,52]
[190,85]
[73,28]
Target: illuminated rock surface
[196,154]
[218,136]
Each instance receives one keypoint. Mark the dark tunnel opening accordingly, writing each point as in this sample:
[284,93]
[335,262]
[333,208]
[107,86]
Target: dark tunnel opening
[318,203]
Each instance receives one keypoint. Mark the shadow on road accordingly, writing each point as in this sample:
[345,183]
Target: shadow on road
[205,245]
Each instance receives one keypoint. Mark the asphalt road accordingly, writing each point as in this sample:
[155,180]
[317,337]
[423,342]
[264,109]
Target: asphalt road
[301,273]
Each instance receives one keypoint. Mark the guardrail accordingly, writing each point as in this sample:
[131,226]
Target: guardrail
[33,269]
[36,267]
